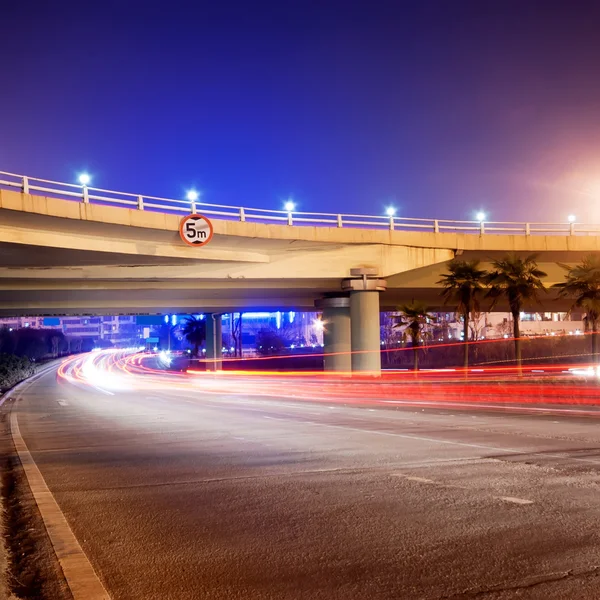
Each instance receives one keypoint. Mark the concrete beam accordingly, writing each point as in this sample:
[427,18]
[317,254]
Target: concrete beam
[47,238]
[490,242]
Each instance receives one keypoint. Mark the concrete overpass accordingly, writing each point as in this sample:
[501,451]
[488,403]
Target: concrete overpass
[62,256]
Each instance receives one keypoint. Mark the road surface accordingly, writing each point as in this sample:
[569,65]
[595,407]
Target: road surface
[178,494]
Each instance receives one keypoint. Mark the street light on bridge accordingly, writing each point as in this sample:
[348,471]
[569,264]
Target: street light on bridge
[390,211]
[192,195]
[84,179]
[480,216]
[571,218]
[289,206]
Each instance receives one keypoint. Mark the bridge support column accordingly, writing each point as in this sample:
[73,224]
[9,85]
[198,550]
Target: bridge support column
[336,333]
[214,342]
[365,319]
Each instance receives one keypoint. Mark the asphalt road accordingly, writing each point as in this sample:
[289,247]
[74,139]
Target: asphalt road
[180,495]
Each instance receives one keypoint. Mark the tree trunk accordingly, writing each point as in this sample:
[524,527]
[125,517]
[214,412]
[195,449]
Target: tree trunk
[233,333]
[594,341]
[466,340]
[517,335]
[415,356]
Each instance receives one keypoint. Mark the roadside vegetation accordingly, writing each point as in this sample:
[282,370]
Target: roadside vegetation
[14,369]
[22,349]
[513,281]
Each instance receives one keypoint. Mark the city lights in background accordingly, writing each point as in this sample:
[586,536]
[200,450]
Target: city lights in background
[289,205]
[390,211]
[84,179]
[571,218]
[480,216]
[192,195]
[318,324]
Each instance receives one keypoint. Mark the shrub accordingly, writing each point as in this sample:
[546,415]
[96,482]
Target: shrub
[14,369]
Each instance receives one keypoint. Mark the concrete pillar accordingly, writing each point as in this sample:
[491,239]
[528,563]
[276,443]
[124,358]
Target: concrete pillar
[214,342]
[365,320]
[336,333]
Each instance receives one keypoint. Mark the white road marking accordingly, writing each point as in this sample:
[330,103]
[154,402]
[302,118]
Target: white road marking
[464,444]
[420,479]
[435,440]
[102,390]
[516,500]
[422,439]
[506,407]
[413,478]
[62,402]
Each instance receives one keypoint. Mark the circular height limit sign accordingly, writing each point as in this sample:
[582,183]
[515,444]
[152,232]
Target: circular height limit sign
[195,230]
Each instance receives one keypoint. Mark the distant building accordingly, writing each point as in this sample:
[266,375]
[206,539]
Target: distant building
[114,329]
[498,325]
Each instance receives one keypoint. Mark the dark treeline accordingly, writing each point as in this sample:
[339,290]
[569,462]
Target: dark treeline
[38,344]
[21,349]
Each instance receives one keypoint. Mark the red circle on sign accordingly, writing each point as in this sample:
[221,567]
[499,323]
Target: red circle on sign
[190,235]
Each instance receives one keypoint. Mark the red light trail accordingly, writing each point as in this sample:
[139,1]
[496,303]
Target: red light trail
[541,388]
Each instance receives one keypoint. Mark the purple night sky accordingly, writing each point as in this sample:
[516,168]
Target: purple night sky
[441,108]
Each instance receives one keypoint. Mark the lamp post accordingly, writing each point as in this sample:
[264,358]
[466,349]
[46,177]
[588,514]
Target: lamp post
[289,206]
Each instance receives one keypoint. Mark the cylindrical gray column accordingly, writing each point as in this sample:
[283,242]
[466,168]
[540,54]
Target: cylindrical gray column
[365,320]
[366,333]
[336,333]
[214,342]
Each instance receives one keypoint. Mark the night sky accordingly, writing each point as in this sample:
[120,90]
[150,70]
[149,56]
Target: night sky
[441,108]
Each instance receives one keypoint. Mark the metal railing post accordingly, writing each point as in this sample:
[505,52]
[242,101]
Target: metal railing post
[140,203]
[242,214]
[86,196]
[572,229]
[527,229]
[193,207]
[481,228]
[339,221]
[436,226]
[290,220]
[391,223]
[26,185]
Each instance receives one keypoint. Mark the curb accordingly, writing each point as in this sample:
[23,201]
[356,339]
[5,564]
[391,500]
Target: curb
[77,569]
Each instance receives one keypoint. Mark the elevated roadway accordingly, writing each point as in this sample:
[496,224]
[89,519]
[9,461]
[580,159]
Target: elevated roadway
[65,257]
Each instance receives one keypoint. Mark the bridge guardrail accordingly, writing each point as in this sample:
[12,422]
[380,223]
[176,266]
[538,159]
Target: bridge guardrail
[92,195]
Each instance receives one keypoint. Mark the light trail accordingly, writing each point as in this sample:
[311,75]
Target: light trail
[114,371]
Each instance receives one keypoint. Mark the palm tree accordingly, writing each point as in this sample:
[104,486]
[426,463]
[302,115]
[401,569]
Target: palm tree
[463,285]
[414,316]
[519,280]
[582,283]
[194,331]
